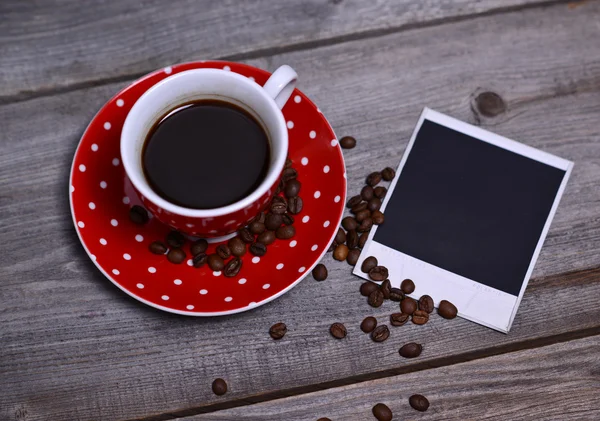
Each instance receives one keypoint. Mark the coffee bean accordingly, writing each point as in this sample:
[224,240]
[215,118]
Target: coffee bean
[380,334]
[324,419]
[426,303]
[374,204]
[215,262]
[280,187]
[399,319]
[267,238]
[289,174]
[359,207]
[273,221]
[378,217]
[200,260]
[232,267]
[382,412]
[176,256]
[237,246]
[349,223]
[408,305]
[340,236]
[278,207]
[367,193]
[223,251]
[295,205]
[347,142]
[288,163]
[407,286]
[369,324]
[396,294]
[258,249]
[199,246]
[354,200]
[332,247]
[365,225]
[380,192]
[157,247]
[256,227]
[219,387]
[386,288]
[278,331]
[374,178]
[288,219]
[388,174]
[378,273]
[285,232]
[419,402]
[338,330]
[341,252]
[411,350]
[447,310]
[138,215]
[352,239]
[366,288]
[319,272]
[175,239]
[292,188]
[362,215]
[368,264]
[353,256]
[420,317]
[363,239]
[245,235]
[375,298]
[260,217]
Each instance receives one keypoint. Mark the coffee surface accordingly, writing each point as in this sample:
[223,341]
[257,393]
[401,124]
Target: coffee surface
[206,155]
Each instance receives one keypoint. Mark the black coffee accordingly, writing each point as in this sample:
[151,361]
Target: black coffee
[205,155]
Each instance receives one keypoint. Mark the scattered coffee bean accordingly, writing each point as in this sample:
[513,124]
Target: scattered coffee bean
[273,221]
[324,419]
[223,251]
[378,217]
[382,412]
[411,350]
[349,223]
[363,239]
[215,262]
[292,188]
[426,303]
[352,239]
[332,247]
[386,288]
[380,334]
[237,246]
[285,232]
[199,246]
[338,331]
[157,247]
[289,174]
[388,174]
[380,192]
[288,219]
[258,249]
[407,286]
[267,238]
[366,288]
[280,187]
[399,319]
[319,272]
[375,298]
[354,200]
[353,256]
[175,239]
[295,205]
[278,207]
[367,193]
[245,235]
[232,268]
[256,227]
[347,142]
[368,264]
[341,252]
[359,207]
[369,324]
[419,402]
[420,317]
[340,236]
[396,294]
[219,387]
[447,310]
[362,215]
[138,215]
[176,256]
[374,204]
[278,330]
[365,225]
[408,305]
[200,260]
[374,178]
[378,273]
[260,217]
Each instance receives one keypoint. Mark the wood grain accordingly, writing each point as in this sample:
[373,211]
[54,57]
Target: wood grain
[556,382]
[50,45]
[74,347]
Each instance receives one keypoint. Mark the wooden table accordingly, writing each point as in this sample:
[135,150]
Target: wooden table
[74,347]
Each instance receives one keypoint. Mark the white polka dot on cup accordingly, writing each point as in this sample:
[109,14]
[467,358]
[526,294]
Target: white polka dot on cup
[293,243]
[127,256]
[227,68]
[139,238]
[115,272]
[301,269]
[251,78]
[80,224]
[189,307]
[82,168]
[203,292]
[334,142]
[120,102]
[115,161]
[337,199]
[228,299]
[326,169]
[92,205]
[126,200]
[103,241]
[305,218]
[304,161]
[314,247]
[72,188]
[165,298]
[266,286]
[190,262]
[290,124]
[103,184]
[114,222]
[178,282]
[217,273]
[279,266]
[140,286]
[297,99]
[317,194]
[107,125]
[312,134]
[242,281]
[255,259]
[94,147]
[168,70]
[152,269]
[93,257]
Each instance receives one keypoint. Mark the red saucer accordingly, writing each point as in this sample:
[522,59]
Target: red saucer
[101,197]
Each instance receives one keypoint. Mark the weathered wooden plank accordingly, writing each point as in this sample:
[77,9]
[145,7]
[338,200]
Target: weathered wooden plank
[556,382]
[46,45]
[74,347]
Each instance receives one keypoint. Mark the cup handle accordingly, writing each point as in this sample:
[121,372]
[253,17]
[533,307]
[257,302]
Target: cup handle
[281,84]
